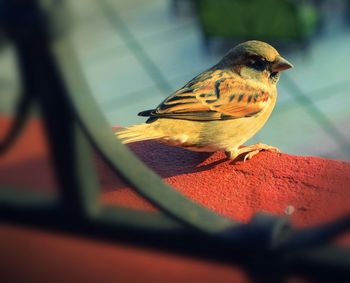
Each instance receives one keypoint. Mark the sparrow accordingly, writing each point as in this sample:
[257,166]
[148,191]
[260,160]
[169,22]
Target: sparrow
[221,108]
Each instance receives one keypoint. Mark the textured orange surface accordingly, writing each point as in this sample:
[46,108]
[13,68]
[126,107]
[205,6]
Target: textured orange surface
[316,189]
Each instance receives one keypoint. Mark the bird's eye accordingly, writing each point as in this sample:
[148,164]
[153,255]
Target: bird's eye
[257,63]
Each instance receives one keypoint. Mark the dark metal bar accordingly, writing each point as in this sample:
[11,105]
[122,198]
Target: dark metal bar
[113,225]
[40,77]
[318,235]
[21,206]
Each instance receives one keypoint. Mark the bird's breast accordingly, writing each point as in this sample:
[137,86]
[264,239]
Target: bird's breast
[230,133]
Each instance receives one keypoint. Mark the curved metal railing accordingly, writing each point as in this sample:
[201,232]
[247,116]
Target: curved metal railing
[75,127]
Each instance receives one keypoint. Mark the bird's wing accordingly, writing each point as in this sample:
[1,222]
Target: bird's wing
[213,95]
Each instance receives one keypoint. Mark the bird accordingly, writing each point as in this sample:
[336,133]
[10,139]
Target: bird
[221,108]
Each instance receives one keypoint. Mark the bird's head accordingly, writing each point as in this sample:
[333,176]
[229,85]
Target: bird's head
[256,60]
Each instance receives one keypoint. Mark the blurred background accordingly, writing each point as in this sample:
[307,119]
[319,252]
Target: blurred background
[134,53]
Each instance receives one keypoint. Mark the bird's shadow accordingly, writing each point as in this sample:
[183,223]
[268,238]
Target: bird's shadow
[168,161]
[165,160]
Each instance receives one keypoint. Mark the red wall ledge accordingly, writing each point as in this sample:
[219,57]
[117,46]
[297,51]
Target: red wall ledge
[309,190]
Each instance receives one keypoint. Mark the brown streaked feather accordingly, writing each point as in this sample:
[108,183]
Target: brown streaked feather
[239,100]
[213,95]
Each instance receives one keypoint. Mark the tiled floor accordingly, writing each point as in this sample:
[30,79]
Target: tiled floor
[134,53]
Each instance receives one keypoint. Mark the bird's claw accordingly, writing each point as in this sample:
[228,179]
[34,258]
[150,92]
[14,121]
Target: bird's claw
[256,148]
[250,155]
[250,151]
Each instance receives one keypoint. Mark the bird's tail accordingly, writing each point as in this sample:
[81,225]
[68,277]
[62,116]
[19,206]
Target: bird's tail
[137,133]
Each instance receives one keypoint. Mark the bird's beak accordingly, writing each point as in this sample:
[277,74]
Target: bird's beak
[280,64]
